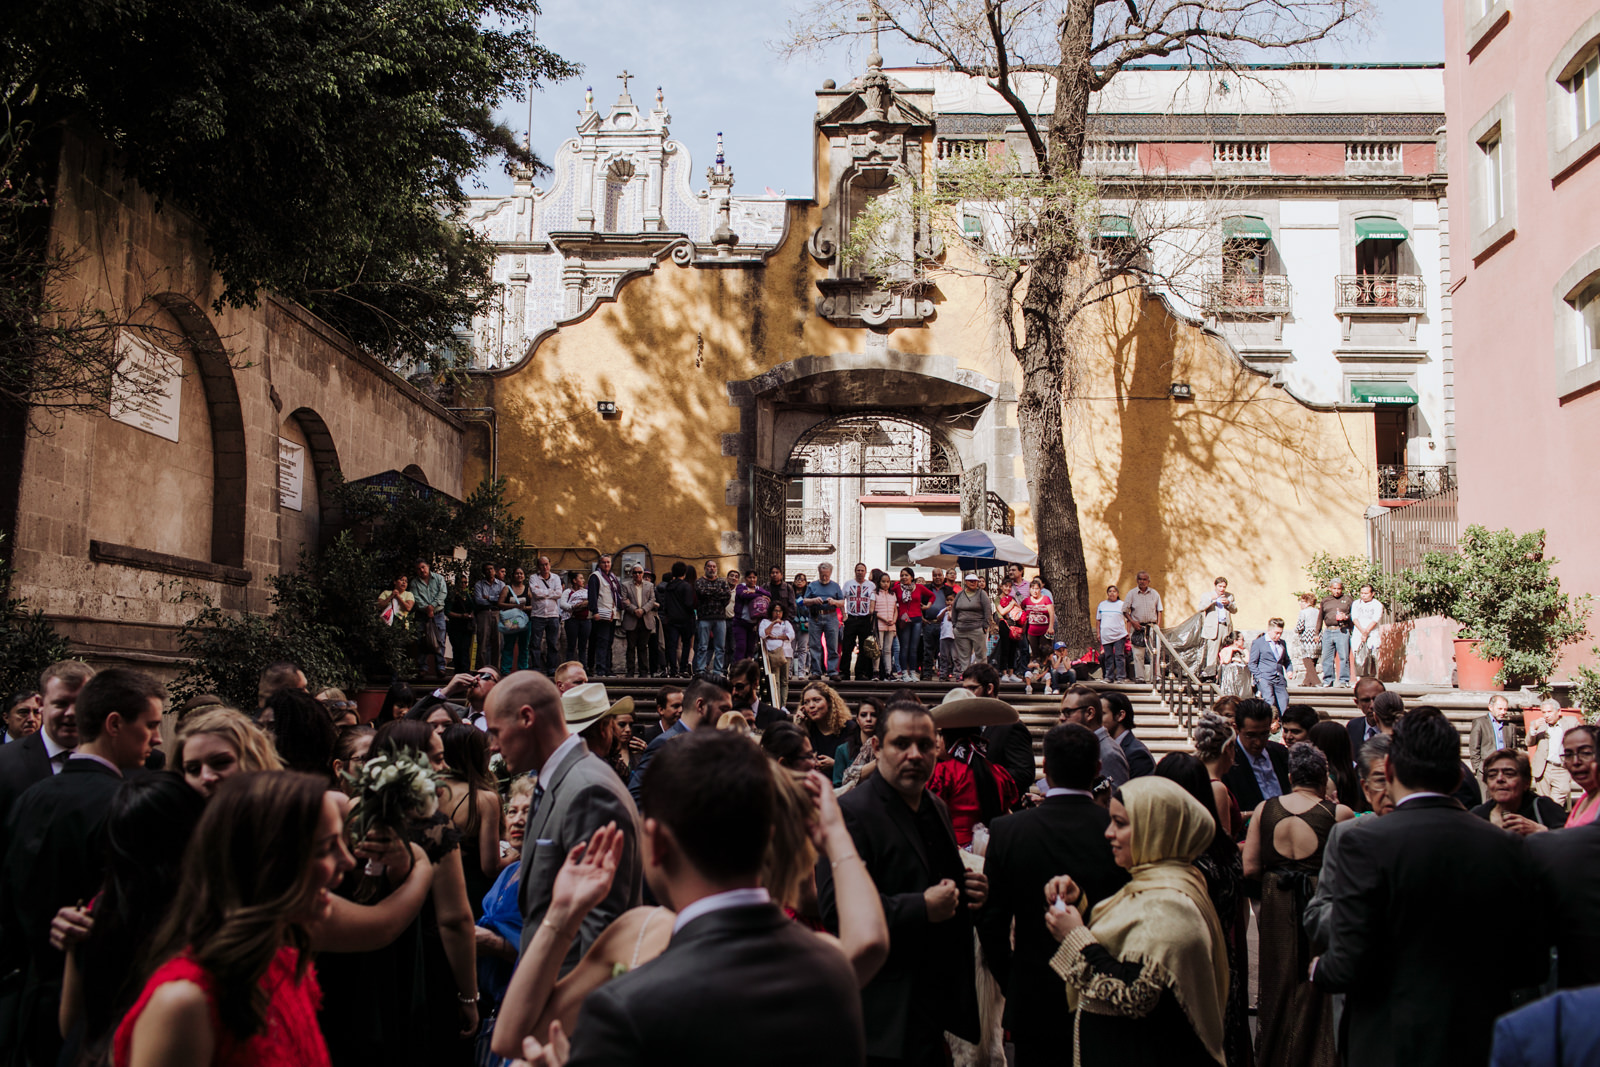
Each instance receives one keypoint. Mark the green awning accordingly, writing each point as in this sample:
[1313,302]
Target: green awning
[1382,393]
[1116,226]
[1375,229]
[1246,227]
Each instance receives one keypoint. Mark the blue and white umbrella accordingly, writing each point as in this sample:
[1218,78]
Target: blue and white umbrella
[971,549]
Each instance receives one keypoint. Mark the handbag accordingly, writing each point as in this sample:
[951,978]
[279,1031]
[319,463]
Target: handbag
[513,621]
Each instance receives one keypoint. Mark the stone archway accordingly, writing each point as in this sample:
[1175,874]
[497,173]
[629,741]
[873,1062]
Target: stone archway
[227,427]
[794,402]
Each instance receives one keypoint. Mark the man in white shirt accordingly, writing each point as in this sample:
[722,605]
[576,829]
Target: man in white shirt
[1366,614]
[858,626]
[1144,611]
[1113,621]
[544,618]
[1550,777]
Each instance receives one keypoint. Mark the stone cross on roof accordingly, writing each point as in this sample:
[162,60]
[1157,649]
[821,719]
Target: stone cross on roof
[625,77]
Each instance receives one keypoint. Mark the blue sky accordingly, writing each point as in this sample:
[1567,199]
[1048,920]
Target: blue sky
[714,60]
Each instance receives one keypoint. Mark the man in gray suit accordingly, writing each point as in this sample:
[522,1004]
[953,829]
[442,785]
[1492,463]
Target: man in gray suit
[1491,732]
[577,794]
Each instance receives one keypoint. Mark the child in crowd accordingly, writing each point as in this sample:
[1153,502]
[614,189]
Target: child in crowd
[1036,674]
[1061,672]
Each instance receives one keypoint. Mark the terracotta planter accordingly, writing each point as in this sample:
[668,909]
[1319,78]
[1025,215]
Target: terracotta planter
[369,702]
[1472,672]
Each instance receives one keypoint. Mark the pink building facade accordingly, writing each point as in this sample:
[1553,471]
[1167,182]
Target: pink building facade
[1522,100]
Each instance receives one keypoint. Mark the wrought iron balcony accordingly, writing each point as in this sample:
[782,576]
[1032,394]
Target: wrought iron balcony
[1265,295]
[1379,293]
[1405,482]
[809,526]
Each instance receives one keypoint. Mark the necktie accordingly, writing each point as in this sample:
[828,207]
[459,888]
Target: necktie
[538,795]
[59,760]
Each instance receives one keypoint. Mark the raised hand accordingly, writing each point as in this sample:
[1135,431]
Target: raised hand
[585,879]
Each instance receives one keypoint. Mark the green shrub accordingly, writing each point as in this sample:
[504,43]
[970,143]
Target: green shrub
[28,642]
[1500,588]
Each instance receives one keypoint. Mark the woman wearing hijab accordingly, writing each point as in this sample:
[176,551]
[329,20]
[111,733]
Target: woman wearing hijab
[1147,978]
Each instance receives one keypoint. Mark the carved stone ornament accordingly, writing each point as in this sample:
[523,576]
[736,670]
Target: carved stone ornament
[877,129]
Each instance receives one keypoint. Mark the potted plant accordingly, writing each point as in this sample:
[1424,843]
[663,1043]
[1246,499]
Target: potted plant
[1514,617]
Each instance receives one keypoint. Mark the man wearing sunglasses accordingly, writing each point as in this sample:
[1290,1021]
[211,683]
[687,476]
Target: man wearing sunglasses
[466,692]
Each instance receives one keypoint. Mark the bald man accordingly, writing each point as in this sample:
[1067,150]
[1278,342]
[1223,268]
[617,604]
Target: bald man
[577,794]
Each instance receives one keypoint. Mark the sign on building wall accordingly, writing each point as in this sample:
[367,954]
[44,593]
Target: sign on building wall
[291,474]
[147,390]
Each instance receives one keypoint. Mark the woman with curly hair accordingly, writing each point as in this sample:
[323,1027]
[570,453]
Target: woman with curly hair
[235,983]
[825,717]
[218,743]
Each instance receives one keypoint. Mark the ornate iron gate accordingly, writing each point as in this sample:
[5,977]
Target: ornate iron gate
[768,519]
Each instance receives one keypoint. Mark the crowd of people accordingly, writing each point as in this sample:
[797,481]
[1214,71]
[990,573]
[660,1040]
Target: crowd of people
[732,883]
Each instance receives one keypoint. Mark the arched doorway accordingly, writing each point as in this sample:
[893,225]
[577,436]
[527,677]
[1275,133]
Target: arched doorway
[865,486]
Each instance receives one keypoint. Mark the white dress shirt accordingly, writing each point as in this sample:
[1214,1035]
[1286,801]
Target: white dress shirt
[733,898]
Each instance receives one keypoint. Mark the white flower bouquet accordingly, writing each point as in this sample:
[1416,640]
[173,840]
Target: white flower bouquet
[391,789]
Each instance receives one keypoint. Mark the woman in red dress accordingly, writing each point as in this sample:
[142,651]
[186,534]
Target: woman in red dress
[237,988]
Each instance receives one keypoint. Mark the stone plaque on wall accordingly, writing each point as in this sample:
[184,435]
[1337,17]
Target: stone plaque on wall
[147,389]
[291,474]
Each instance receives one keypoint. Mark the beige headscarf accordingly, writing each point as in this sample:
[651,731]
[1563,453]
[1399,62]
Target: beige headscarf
[1154,917]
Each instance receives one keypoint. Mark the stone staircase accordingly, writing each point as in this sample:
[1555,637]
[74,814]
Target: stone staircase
[1154,725]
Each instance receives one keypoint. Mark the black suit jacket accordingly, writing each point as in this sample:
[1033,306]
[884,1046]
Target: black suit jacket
[1417,993]
[53,858]
[22,763]
[1564,864]
[737,986]
[1063,835]
[1241,779]
[1011,747]
[926,986]
[1357,729]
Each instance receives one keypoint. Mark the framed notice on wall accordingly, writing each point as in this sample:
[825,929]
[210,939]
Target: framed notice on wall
[291,474]
[147,389]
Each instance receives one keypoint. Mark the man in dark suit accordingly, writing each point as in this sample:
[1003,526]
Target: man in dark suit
[706,699]
[902,833]
[44,752]
[53,847]
[1497,728]
[1416,991]
[669,705]
[1565,863]
[1364,727]
[739,982]
[1011,743]
[1269,665]
[743,677]
[577,793]
[1260,767]
[1063,835]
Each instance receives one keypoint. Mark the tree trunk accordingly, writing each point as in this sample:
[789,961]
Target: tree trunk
[1045,350]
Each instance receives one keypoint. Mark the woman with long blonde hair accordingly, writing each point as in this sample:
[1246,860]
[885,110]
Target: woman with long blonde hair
[218,743]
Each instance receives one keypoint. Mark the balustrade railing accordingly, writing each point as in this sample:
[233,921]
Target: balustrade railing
[808,526]
[1266,294]
[1367,292]
[1403,481]
[1182,692]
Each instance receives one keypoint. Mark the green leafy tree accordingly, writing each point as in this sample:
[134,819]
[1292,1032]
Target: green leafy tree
[1054,274]
[1502,590]
[28,642]
[323,146]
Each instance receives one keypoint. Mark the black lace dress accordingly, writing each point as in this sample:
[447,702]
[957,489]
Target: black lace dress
[1223,869]
[396,1005]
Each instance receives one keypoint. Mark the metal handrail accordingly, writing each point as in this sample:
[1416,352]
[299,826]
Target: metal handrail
[1183,694]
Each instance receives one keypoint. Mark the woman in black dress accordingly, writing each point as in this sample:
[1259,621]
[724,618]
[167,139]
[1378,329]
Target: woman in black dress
[1147,979]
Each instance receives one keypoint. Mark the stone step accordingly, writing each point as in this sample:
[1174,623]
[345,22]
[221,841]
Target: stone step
[1155,727]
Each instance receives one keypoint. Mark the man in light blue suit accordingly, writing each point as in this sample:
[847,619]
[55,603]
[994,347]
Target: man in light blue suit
[1269,659]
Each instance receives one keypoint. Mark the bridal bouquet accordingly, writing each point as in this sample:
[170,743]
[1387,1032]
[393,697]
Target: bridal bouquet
[391,789]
